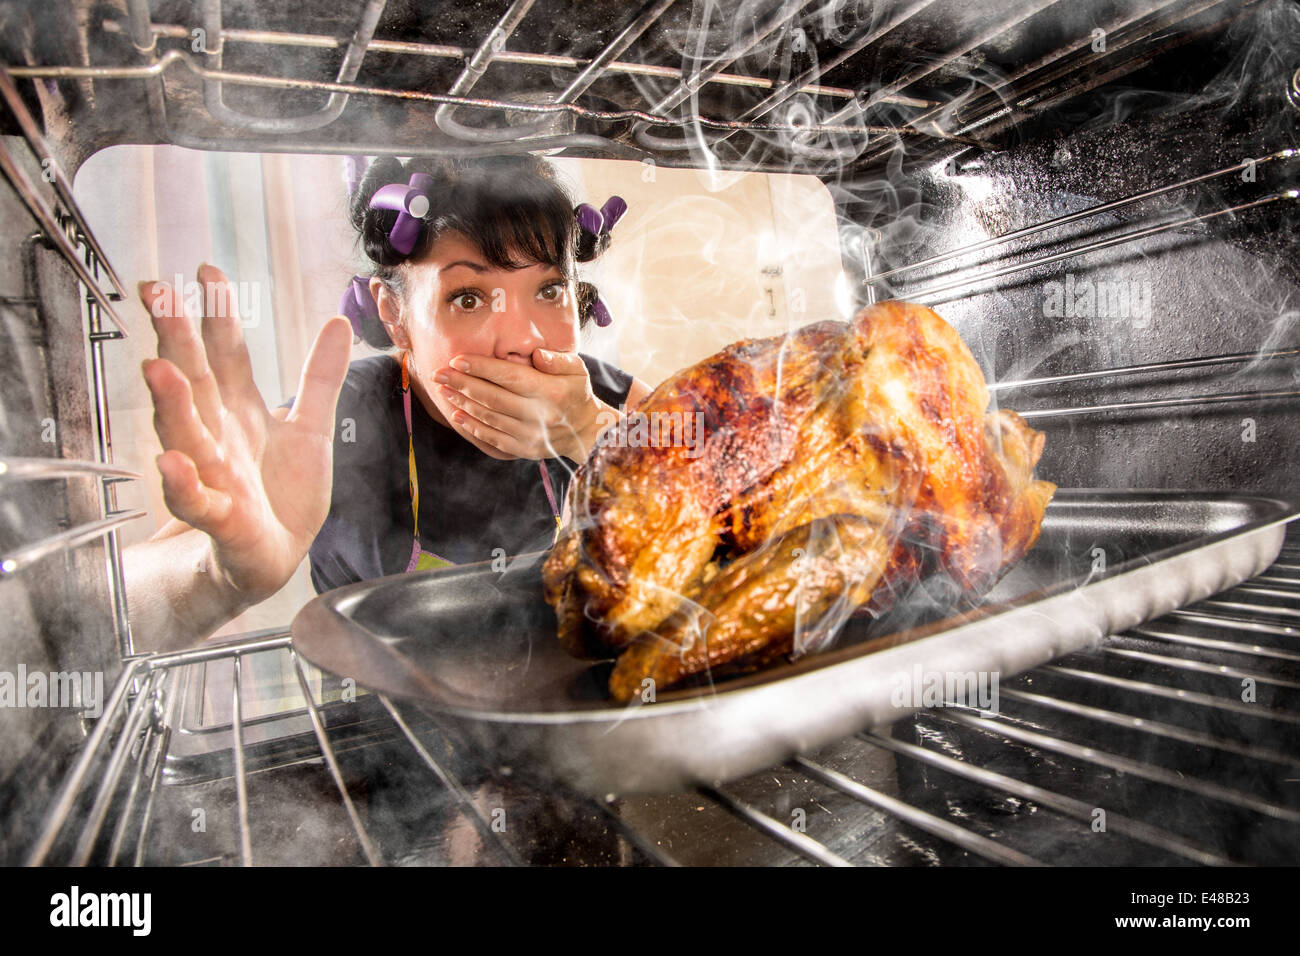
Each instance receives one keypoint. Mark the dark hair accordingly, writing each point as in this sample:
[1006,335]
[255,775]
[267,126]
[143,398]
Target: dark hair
[512,207]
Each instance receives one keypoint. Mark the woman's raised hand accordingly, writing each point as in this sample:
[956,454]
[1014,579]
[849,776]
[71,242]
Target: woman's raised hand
[257,482]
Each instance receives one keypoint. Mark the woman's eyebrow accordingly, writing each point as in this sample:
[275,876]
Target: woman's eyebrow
[476,266]
[481,268]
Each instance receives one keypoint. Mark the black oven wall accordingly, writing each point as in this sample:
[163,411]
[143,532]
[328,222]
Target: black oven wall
[1227,284]
[56,612]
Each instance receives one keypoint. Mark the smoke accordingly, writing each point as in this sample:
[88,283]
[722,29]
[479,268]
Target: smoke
[902,197]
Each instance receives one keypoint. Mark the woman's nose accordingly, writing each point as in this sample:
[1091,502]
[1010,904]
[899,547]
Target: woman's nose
[518,332]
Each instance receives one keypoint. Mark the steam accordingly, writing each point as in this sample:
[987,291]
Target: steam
[893,211]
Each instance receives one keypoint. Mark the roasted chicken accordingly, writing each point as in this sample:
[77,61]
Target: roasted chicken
[838,465]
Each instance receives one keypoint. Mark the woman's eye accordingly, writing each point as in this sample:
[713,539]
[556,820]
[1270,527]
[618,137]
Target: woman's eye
[553,292]
[467,301]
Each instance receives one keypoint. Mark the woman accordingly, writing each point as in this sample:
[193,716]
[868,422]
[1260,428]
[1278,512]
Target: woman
[450,449]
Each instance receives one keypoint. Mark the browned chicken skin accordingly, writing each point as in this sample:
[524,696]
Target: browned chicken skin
[838,464]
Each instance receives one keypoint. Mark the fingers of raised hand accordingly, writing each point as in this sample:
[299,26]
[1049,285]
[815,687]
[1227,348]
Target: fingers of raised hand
[178,342]
[223,338]
[322,379]
[178,424]
[187,497]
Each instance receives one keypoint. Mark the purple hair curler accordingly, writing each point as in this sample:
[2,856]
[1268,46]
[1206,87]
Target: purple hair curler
[590,219]
[357,303]
[612,211]
[600,221]
[411,203]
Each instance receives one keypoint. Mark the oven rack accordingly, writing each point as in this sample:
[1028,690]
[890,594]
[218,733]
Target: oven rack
[979,277]
[63,227]
[1135,35]
[1184,746]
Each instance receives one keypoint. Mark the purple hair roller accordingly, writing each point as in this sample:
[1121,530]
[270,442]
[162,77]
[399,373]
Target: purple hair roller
[411,203]
[590,219]
[357,303]
[612,211]
[603,318]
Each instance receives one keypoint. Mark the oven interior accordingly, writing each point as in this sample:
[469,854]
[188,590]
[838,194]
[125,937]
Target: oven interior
[1100,196]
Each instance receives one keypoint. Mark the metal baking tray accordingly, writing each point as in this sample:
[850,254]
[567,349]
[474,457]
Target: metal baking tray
[476,647]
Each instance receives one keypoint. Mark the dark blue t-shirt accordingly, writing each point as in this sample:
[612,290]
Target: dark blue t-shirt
[470,503]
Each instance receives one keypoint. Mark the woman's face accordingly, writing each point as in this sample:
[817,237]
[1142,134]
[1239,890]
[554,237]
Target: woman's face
[459,304]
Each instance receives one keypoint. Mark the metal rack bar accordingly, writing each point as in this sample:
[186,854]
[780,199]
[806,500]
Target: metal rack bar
[171,57]
[334,106]
[50,227]
[1191,400]
[195,655]
[928,291]
[113,773]
[646,17]
[178,692]
[36,469]
[636,838]
[159,735]
[1145,725]
[771,21]
[1198,362]
[990,90]
[448,52]
[452,785]
[1081,214]
[1209,643]
[1266,592]
[1273,579]
[1000,726]
[799,83]
[1216,670]
[1268,609]
[1116,41]
[474,69]
[327,751]
[104,439]
[1175,693]
[962,49]
[1160,30]
[936,826]
[700,74]
[68,795]
[800,843]
[241,771]
[46,159]
[1236,623]
[28,555]
[1068,806]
